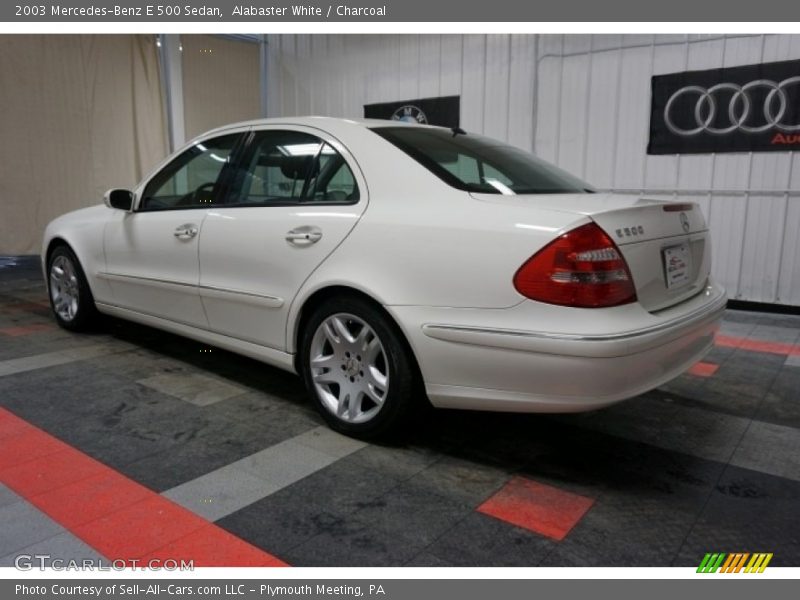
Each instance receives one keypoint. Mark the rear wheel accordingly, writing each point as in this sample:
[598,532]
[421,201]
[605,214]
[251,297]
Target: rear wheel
[70,297]
[358,369]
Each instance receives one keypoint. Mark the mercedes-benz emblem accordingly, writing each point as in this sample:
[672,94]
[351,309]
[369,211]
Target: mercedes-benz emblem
[410,114]
[685,222]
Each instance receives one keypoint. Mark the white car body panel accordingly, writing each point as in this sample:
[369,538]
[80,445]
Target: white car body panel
[151,271]
[440,261]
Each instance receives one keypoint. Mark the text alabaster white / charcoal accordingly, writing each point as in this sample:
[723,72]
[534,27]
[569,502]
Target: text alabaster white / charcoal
[301,10]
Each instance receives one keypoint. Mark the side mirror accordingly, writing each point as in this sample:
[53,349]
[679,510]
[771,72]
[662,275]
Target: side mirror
[119,198]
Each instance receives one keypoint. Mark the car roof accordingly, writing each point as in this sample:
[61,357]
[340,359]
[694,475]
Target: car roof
[320,121]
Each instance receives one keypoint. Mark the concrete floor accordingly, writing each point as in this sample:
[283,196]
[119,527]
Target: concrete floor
[132,443]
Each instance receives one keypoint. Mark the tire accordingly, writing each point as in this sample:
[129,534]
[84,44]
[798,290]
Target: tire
[383,378]
[71,299]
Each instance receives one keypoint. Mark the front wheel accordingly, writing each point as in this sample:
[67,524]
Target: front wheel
[358,369]
[70,297]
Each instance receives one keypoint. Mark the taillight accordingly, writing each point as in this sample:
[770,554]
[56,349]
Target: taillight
[581,268]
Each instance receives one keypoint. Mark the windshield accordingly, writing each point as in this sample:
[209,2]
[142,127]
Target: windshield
[479,164]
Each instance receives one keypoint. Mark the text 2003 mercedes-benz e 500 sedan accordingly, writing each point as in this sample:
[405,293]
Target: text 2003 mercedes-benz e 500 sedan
[385,261]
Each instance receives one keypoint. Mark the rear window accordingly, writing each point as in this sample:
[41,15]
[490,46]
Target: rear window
[479,164]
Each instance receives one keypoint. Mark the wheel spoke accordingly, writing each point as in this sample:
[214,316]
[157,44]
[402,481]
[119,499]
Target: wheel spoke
[341,330]
[374,377]
[328,362]
[373,394]
[363,339]
[341,408]
[354,406]
[372,351]
[330,334]
[328,377]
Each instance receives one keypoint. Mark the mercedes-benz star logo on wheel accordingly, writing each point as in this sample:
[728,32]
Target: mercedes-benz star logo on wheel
[685,222]
[410,114]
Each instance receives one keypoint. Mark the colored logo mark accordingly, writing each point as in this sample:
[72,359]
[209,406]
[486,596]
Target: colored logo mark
[735,562]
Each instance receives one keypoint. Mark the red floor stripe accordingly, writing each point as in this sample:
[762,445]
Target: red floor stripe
[207,547]
[26,329]
[27,446]
[109,491]
[728,341]
[119,518]
[537,507]
[15,307]
[703,369]
[10,428]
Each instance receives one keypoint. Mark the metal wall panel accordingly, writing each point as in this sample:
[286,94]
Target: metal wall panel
[336,75]
[751,200]
[583,102]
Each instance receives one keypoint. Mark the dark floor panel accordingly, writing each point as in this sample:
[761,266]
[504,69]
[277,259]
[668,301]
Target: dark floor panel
[480,540]
[781,404]
[318,504]
[355,544]
[221,442]
[630,532]
[748,512]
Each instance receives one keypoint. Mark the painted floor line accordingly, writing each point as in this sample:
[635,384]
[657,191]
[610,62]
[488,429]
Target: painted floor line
[729,341]
[59,357]
[230,488]
[114,515]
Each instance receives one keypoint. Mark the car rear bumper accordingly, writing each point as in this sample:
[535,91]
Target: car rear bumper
[475,359]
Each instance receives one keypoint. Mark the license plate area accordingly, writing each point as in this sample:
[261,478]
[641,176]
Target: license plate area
[677,262]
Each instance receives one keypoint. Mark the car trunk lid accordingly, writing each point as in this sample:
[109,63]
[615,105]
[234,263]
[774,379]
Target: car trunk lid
[665,244]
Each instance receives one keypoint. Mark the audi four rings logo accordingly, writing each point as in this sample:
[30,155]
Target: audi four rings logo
[742,107]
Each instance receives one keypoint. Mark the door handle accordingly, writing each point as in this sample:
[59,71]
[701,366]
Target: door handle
[186,231]
[304,236]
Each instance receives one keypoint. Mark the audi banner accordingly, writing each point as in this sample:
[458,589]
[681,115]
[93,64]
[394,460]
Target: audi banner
[755,108]
[444,111]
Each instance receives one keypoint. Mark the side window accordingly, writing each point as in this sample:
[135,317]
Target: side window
[464,167]
[333,180]
[291,167]
[192,179]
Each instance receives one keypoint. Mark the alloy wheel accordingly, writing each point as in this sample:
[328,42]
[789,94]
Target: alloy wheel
[349,368]
[64,288]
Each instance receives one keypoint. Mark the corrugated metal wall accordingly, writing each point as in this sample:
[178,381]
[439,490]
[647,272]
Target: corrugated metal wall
[593,119]
[337,74]
[583,102]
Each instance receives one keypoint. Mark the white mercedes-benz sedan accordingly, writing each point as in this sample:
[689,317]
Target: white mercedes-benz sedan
[385,262]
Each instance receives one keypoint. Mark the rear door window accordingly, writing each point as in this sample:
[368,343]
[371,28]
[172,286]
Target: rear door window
[290,167]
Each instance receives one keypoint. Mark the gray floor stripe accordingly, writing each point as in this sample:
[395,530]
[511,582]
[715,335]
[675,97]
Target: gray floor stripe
[239,484]
[28,531]
[793,360]
[60,357]
[195,388]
